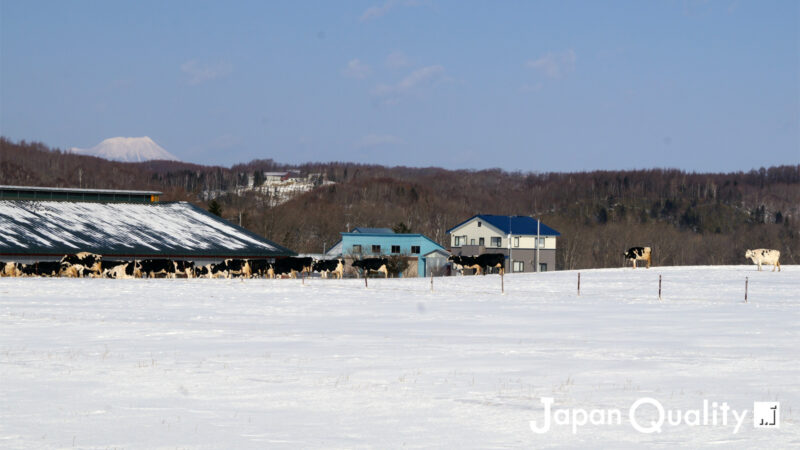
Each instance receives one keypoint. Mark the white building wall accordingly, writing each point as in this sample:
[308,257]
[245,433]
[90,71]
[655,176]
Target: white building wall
[474,232]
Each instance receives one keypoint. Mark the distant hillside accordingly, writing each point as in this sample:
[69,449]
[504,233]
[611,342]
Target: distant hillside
[688,218]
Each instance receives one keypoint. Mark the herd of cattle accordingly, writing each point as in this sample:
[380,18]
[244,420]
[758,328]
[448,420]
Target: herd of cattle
[91,265]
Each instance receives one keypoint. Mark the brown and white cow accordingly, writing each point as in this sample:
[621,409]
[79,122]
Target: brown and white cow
[639,254]
[765,256]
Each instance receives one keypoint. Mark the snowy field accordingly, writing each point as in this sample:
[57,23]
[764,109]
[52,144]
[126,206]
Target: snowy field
[277,364]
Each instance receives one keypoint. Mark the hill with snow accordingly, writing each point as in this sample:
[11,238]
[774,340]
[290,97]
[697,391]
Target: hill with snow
[127,149]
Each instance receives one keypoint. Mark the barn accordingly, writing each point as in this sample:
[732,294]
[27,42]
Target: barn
[40,224]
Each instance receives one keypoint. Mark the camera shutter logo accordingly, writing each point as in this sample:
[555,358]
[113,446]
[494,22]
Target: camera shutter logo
[767,414]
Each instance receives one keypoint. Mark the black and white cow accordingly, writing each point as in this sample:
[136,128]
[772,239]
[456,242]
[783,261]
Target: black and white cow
[259,267]
[639,254]
[11,269]
[765,256]
[368,265]
[42,269]
[328,266]
[156,268]
[291,266]
[465,262]
[185,268]
[236,268]
[492,260]
[81,264]
[119,269]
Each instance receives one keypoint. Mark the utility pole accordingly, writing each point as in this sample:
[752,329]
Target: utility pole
[538,232]
[510,258]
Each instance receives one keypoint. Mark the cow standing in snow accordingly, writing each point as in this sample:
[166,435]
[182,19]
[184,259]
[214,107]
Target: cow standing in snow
[639,254]
[765,256]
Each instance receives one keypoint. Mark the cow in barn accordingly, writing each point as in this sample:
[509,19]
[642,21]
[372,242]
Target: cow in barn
[291,266]
[639,254]
[42,269]
[465,262]
[328,266]
[11,269]
[156,268]
[259,267]
[107,266]
[236,268]
[368,265]
[120,270]
[765,256]
[492,260]
[81,265]
[184,267]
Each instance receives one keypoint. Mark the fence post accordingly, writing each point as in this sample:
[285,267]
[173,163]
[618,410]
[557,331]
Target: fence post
[366,285]
[579,284]
[659,286]
[431,281]
[502,283]
[746,280]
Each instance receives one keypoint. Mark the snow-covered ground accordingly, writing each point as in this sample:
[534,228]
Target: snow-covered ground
[277,364]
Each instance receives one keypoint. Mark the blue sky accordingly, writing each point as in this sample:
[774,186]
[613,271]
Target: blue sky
[520,85]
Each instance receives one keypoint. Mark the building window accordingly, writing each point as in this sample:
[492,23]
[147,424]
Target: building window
[542,267]
[541,243]
[519,266]
[356,248]
[376,249]
[395,249]
[496,241]
[516,241]
[472,242]
[415,249]
[481,242]
[479,223]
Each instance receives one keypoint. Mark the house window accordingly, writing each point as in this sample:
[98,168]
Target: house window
[541,243]
[356,248]
[415,249]
[516,241]
[395,249]
[376,249]
[472,242]
[479,223]
[542,267]
[496,241]
[481,242]
[519,266]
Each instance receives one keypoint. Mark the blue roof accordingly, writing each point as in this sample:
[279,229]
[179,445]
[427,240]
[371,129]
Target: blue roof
[520,225]
[373,230]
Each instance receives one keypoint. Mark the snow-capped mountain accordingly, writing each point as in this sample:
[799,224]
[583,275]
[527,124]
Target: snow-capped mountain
[127,149]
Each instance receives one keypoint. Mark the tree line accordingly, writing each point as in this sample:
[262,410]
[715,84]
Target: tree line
[687,218]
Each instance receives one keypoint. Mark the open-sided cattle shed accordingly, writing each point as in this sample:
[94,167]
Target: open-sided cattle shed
[48,229]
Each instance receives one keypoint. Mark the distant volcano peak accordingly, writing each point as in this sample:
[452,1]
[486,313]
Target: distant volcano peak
[127,149]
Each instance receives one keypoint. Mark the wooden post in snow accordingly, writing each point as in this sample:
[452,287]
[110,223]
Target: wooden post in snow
[431,281]
[366,285]
[659,286]
[502,283]
[746,280]
[579,284]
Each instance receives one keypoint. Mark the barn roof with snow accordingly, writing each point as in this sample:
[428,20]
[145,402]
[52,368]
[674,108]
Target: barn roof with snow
[124,229]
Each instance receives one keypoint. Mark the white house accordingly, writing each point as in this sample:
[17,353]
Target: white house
[529,245]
